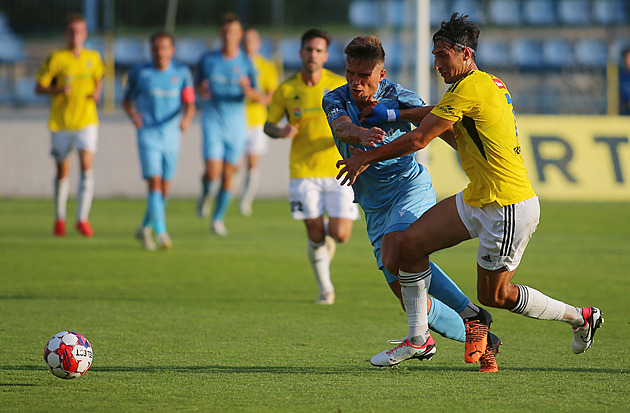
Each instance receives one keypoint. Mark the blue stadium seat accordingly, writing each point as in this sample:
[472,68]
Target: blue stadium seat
[539,12]
[266,49]
[365,13]
[473,8]
[439,11]
[189,50]
[557,53]
[527,53]
[11,49]
[336,57]
[504,12]
[290,49]
[96,43]
[574,12]
[25,93]
[609,12]
[130,51]
[591,52]
[493,52]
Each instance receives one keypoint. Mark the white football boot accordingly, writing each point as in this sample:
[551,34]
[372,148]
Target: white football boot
[404,351]
[583,336]
[145,235]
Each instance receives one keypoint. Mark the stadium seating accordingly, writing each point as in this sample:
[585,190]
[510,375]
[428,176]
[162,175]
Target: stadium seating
[473,8]
[539,12]
[504,12]
[557,53]
[528,53]
[189,50]
[96,43]
[365,13]
[11,49]
[591,52]
[574,12]
[129,51]
[609,12]
[493,52]
[25,93]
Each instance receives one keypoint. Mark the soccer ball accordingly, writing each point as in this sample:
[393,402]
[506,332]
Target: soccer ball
[68,355]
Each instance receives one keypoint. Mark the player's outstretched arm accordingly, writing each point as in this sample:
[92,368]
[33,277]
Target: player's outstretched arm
[353,134]
[135,117]
[287,131]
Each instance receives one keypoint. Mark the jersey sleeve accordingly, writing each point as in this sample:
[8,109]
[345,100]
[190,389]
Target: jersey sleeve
[455,104]
[46,72]
[408,98]
[332,103]
[131,91]
[277,107]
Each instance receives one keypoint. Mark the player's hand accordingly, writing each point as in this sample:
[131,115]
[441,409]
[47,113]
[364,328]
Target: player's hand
[136,118]
[245,82]
[370,137]
[204,90]
[96,96]
[289,131]
[185,123]
[367,111]
[352,166]
[381,114]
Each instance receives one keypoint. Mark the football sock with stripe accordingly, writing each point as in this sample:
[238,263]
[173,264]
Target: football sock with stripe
[445,290]
[85,195]
[157,215]
[534,304]
[320,262]
[445,321]
[414,288]
[62,190]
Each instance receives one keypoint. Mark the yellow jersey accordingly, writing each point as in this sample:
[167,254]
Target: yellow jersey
[313,150]
[487,139]
[76,110]
[267,82]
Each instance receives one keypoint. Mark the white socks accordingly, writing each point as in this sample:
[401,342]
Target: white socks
[414,288]
[85,195]
[320,262]
[252,182]
[62,189]
[532,303]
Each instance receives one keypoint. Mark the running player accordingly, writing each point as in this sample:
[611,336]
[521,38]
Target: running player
[257,141]
[73,76]
[498,206]
[313,190]
[393,194]
[156,94]
[224,78]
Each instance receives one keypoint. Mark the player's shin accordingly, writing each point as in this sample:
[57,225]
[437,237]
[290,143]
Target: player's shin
[414,289]
[85,195]
[445,321]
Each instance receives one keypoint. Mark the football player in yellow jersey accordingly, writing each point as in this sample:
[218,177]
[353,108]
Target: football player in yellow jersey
[73,77]
[498,206]
[256,112]
[313,190]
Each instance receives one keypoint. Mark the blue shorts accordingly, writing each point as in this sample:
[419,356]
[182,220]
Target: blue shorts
[398,216]
[224,137]
[159,151]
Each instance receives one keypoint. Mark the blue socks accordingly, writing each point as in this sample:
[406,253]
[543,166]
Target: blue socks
[445,321]
[155,211]
[445,290]
[222,203]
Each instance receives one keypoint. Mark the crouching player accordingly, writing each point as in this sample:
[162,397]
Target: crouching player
[156,94]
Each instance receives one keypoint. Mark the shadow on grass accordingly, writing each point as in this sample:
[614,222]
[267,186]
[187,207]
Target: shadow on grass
[362,368]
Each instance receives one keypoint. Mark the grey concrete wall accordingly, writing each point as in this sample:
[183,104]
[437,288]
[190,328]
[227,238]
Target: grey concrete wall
[27,169]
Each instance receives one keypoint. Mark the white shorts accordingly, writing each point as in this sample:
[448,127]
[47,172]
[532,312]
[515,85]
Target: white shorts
[64,141]
[314,197]
[257,141]
[503,231]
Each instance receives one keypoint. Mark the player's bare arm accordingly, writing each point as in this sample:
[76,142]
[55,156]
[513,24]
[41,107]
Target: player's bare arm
[287,131]
[431,127]
[51,89]
[189,113]
[135,117]
[348,132]
[98,88]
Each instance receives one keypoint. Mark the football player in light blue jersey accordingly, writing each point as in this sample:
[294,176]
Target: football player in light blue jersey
[224,78]
[393,194]
[156,94]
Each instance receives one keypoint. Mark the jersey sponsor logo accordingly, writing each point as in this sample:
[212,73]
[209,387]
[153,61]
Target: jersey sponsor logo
[174,79]
[447,109]
[297,112]
[401,212]
[333,113]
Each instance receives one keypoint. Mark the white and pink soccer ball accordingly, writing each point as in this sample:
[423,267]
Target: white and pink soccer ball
[68,355]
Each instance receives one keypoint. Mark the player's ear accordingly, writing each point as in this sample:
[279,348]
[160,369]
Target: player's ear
[383,73]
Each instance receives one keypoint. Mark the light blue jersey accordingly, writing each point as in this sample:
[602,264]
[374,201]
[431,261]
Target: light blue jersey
[223,119]
[395,192]
[157,97]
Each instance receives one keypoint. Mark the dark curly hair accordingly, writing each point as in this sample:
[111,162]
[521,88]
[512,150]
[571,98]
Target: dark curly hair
[458,32]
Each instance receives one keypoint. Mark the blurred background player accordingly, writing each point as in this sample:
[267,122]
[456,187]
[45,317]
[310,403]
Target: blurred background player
[224,78]
[313,189]
[156,94]
[624,83]
[257,140]
[393,194]
[73,76]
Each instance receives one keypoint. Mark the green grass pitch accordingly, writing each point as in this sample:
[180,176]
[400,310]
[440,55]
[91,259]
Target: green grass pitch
[230,324]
